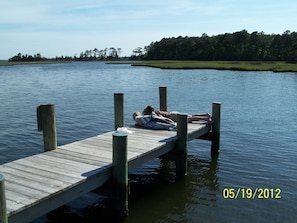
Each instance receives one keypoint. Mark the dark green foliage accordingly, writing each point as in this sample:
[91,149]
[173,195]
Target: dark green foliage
[89,55]
[27,58]
[237,46]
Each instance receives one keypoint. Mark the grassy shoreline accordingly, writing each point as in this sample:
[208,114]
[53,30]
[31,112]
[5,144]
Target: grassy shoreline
[6,63]
[274,66]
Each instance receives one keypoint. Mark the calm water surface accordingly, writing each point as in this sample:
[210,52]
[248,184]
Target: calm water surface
[258,137]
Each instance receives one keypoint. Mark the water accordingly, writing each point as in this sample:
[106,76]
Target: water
[258,137]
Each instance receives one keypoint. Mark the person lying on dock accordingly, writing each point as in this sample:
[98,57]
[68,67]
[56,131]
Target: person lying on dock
[173,115]
[152,121]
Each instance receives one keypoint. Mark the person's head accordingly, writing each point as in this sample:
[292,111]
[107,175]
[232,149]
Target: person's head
[148,110]
[135,114]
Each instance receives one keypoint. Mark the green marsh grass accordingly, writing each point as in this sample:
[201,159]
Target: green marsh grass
[274,66]
[221,65]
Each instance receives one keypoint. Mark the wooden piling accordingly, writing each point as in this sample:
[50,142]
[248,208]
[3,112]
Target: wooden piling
[182,145]
[118,110]
[46,121]
[216,126]
[3,211]
[163,98]
[120,173]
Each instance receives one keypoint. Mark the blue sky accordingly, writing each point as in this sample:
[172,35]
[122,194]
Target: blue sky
[68,27]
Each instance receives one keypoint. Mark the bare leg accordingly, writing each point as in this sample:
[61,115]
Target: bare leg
[200,117]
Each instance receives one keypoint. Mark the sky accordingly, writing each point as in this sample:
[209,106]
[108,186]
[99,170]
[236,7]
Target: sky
[69,27]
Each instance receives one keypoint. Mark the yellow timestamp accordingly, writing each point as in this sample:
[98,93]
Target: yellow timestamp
[251,193]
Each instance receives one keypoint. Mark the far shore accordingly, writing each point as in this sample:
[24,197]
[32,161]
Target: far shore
[275,66]
[7,63]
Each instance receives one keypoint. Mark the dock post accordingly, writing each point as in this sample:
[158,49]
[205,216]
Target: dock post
[3,213]
[182,145]
[118,110]
[216,126]
[46,121]
[163,98]
[120,173]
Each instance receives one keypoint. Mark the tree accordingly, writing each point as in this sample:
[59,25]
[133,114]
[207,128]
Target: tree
[96,52]
[138,51]
[113,54]
[229,46]
[119,51]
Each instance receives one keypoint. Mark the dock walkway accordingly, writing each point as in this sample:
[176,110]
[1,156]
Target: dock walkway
[33,186]
[38,184]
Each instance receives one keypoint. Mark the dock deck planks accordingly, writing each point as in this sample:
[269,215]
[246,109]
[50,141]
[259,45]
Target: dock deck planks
[40,183]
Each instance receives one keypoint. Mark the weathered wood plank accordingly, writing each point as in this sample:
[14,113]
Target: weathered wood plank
[46,205]
[85,149]
[89,148]
[132,142]
[80,157]
[82,167]
[14,203]
[13,207]
[50,168]
[44,181]
[20,194]
[36,171]
[71,166]
[97,143]
[151,137]
[156,136]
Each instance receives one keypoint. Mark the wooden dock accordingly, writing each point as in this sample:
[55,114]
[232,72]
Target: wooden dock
[33,186]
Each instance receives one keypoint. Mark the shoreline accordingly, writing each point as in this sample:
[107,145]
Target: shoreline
[274,66]
[7,63]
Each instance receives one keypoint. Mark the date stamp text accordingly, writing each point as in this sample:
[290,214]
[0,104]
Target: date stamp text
[251,193]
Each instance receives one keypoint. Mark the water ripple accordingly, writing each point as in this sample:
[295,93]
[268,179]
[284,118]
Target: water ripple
[258,128]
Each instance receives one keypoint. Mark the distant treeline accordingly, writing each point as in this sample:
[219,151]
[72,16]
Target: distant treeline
[237,46]
[89,55]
